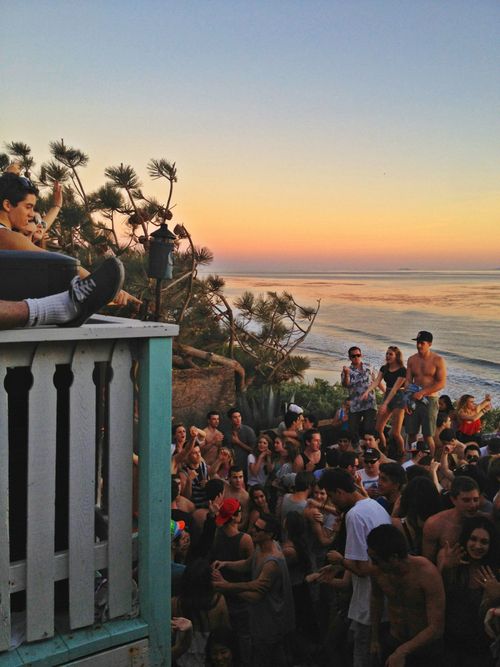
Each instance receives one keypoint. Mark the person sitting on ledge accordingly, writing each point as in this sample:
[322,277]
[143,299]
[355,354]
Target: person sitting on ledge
[67,309]
[18,198]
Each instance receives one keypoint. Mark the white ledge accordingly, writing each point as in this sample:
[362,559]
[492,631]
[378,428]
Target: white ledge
[98,327]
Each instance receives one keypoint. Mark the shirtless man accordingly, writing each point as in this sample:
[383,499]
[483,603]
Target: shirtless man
[415,597]
[212,443]
[312,458]
[236,489]
[427,370]
[445,527]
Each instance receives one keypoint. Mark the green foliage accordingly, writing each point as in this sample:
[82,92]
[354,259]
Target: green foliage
[123,176]
[21,153]
[264,406]
[108,198]
[4,161]
[260,331]
[70,157]
[162,169]
[491,421]
[320,397]
[52,171]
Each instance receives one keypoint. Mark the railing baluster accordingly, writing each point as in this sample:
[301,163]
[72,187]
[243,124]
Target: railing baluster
[41,495]
[120,482]
[82,488]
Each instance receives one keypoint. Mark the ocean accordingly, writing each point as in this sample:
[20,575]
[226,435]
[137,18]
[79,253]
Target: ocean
[377,309]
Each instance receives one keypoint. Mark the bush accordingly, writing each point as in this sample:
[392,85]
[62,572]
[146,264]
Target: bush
[491,421]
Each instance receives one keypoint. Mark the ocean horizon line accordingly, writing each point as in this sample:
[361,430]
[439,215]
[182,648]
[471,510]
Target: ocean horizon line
[351,272]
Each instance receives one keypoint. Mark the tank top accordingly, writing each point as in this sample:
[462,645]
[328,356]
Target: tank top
[227,548]
[469,428]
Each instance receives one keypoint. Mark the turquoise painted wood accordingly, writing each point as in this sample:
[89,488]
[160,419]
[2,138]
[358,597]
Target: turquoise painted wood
[82,642]
[100,638]
[11,659]
[154,494]
[44,654]
[68,646]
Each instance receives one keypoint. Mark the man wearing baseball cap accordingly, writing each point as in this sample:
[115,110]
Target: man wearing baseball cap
[232,545]
[427,370]
[418,450]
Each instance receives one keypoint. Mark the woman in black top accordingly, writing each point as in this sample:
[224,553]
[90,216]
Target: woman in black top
[393,373]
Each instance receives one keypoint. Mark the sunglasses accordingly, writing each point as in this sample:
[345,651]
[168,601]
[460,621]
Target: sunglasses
[472,458]
[371,462]
[353,356]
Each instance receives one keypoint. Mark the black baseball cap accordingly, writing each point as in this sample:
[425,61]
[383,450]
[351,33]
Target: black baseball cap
[371,454]
[420,446]
[423,336]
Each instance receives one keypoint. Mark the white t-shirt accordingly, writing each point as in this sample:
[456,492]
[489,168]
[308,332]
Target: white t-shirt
[368,482]
[360,520]
[408,464]
[261,477]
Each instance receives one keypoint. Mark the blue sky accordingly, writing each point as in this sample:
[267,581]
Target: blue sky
[380,116]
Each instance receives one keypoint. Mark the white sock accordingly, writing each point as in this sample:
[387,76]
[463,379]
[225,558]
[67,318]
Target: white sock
[53,309]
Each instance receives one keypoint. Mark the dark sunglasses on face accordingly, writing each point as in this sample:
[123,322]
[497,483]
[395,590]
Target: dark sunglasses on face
[472,458]
[353,356]
[370,462]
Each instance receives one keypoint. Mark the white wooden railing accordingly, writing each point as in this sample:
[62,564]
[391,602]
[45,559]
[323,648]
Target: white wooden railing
[110,342]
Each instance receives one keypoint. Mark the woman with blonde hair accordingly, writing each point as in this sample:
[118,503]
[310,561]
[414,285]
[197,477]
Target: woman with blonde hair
[393,373]
[469,417]
[259,461]
[222,464]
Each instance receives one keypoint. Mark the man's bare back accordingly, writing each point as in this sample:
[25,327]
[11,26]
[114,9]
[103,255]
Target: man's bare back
[441,528]
[412,597]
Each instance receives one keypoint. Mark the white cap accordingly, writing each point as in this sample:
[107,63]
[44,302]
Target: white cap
[293,407]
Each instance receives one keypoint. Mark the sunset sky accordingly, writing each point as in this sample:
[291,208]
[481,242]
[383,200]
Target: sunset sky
[308,135]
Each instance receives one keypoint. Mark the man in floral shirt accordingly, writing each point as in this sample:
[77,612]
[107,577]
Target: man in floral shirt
[357,378]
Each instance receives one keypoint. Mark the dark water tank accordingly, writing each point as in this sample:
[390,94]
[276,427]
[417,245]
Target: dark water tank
[26,275]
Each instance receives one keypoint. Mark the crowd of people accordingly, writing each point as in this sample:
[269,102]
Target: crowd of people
[376,541]
[371,539]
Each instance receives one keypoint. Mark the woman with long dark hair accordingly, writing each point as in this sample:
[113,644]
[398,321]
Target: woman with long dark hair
[470,570]
[419,500]
[205,608]
[259,503]
[393,373]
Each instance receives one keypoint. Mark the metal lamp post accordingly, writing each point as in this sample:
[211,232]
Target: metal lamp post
[161,245]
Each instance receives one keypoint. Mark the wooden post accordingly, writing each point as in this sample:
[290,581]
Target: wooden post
[154,494]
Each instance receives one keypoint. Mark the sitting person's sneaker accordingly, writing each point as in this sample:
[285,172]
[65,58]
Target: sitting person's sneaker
[90,294]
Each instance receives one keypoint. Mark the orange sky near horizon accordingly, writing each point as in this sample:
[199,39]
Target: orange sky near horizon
[333,135]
